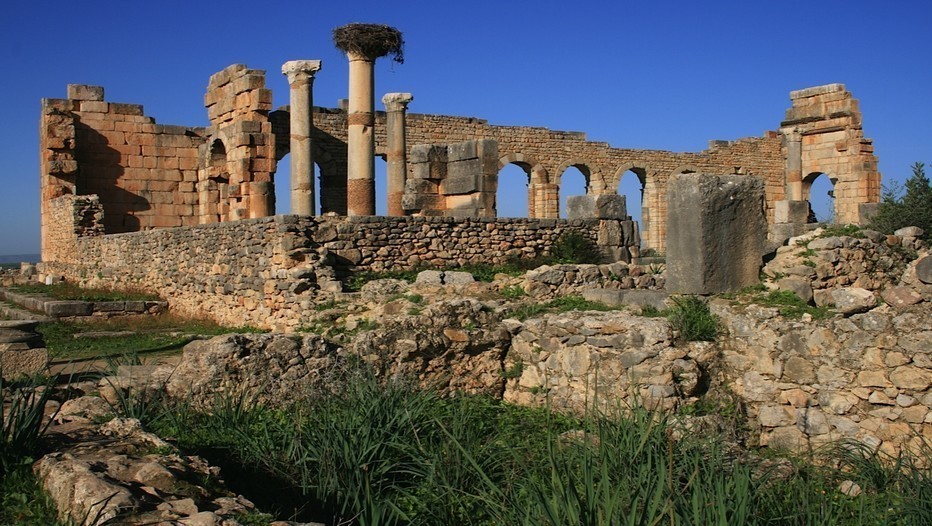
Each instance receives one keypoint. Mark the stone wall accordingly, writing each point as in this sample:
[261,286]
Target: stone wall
[823,135]
[801,384]
[545,154]
[266,272]
[144,173]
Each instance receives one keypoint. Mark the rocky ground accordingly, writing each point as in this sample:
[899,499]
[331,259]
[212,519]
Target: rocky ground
[863,372]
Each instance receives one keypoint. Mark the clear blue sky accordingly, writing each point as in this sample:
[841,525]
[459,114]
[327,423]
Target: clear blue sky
[664,75]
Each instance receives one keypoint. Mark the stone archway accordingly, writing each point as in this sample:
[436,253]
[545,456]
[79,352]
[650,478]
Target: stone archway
[818,189]
[538,185]
[637,196]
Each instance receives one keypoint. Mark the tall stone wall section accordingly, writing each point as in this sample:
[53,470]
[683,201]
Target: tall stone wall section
[237,160]
[545,154]
[823,135]
[266,272]
[144,173]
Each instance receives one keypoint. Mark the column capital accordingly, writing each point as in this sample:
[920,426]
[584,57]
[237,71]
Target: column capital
[297,70]
[397,101]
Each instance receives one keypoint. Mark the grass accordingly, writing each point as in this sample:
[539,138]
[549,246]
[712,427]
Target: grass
[841,230]
[22,425]
[561,304]
[786,302]
[164,333]
[69,291]
[691,319]
[370,453]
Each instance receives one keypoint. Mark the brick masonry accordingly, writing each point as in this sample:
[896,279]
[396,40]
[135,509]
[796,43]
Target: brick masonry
[150,175]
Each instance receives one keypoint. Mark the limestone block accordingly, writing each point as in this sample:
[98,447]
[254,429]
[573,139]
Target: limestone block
[85,92]
[451,277]
[852,300]
[462,151]
[462,179]
[716,230]
[59,309]
[427,153]
[607,206]
[22,362]
[787,211]
[429,277]
[799,286]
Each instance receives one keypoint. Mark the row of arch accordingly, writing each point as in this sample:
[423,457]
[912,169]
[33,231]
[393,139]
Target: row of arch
[518,175]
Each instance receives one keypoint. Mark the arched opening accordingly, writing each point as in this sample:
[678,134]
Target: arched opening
[282,181]
[631,185]
[511,196]
[819,190]
[218,182]
[573,181]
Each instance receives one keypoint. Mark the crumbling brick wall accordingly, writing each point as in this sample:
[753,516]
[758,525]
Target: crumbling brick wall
[144,173]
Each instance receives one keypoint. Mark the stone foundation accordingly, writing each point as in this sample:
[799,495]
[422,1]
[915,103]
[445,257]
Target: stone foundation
[267,272]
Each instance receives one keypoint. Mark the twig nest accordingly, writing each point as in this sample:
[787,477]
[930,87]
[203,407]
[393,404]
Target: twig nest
[370,40]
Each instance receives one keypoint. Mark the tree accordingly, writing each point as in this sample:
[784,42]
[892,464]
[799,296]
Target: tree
[909,205]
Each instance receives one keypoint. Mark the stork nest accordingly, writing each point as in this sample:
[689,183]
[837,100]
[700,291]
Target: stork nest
[370,40]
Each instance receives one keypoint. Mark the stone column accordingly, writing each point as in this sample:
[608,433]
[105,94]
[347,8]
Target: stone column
[360,184]
[794,165]
[300,75]
[395,106]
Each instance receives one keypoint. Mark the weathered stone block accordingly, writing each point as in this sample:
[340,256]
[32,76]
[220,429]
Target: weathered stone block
[462,179]
[85,92]
[26,362]
[791,211]
[462,151]
[715,232]
[426,153]
[60,309]
[608,206]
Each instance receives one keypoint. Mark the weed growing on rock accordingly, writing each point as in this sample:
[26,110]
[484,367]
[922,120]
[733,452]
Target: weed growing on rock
[692,320]
[573,248]
[561,304]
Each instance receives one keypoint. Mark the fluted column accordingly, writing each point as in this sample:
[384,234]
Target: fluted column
[360,184]
[300,75]
[395,106]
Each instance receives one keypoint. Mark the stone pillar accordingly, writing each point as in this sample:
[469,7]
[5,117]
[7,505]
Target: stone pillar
[794,165]
[360,184]
[395,106]
[715,232]
[300,75]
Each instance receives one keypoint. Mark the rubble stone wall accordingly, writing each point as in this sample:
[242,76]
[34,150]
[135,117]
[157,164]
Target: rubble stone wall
[265,272]
[865,377]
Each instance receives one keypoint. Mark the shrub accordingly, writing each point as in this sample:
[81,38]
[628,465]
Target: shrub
[22,422]
[575,248]
[907,206]
[691,318]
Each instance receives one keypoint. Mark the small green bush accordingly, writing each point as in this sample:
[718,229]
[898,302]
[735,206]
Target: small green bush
[691,318]
[573,248]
